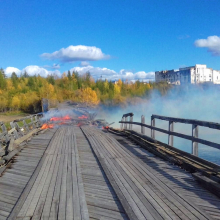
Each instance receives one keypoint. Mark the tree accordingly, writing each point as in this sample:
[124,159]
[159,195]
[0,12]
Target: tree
[14,79]
[117,89]
[30,82]
[25,75]
[15,104]
[69,75]
[2,79]
[51,79]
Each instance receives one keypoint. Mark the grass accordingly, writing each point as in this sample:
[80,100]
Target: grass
[11,116]
[14,113]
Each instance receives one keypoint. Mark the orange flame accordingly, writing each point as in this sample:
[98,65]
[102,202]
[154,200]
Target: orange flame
[46,126]
[105,127]
[67,117]
[82,117]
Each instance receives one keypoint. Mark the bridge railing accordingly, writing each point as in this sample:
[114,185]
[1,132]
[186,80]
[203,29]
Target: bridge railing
[195,129]
[18,129]
[24,125]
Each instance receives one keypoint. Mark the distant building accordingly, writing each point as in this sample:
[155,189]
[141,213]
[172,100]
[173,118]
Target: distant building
[193,75]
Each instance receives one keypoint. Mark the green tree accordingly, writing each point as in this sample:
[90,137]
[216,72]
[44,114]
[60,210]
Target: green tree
[2,79]
[69,75]
[14,79]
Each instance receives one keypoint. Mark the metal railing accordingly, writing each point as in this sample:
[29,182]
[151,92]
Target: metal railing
[195,129]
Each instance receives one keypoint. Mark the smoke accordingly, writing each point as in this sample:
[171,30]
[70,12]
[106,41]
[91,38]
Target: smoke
[200,102]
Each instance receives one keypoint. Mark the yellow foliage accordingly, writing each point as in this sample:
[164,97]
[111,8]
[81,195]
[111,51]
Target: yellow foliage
[106,85]
[15,102]
[9,85]
[117,89]
[119,82]
[3,103]
[87,95]
[19,87]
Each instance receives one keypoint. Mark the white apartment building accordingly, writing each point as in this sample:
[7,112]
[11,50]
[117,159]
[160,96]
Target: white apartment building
[193,74]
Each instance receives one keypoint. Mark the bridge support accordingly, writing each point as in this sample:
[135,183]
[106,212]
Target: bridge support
[195,134]
[170,137]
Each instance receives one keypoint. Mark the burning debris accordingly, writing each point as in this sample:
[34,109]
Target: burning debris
[46,126]
[83,117]
[67,117]
[79,115]
[55,121]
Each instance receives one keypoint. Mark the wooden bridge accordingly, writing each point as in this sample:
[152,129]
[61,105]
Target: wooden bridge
[83,172]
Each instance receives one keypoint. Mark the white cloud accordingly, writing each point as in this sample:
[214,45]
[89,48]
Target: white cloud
[84,63]
[35,70]
[31,71]
[212,43]
[97,73]
[54,66]
[76,53]
[10,70]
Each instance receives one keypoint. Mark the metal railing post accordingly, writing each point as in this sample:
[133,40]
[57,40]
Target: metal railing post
[195,133]
[131,120]
[142,122]
[153,125]
[170,137]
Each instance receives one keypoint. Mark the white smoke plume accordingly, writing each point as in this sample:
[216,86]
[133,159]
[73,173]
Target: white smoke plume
[189,102]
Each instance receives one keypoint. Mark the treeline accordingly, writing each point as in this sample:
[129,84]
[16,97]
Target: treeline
[26,92]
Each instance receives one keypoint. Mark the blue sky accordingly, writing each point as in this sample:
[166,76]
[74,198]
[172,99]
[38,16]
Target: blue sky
[119,38]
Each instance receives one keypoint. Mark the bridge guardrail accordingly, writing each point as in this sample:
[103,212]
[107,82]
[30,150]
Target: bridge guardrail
[28,124]
[195,129]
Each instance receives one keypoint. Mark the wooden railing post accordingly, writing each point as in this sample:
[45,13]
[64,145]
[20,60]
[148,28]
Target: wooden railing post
[153,125]
[170,137]
[4,129]
[122,123]
[195,133]
[131,120]
[15,131]
[125,125]
[26,126]
[32,121]
[143,122]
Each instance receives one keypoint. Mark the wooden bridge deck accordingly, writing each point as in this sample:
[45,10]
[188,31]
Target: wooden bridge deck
[71,173]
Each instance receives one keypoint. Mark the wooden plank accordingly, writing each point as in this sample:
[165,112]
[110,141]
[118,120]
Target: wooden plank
[63,190]
[28,202]
[103,142]
[42,200]
[27,189]
[83,205]
[136,203]
[115,184]
[56,195]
